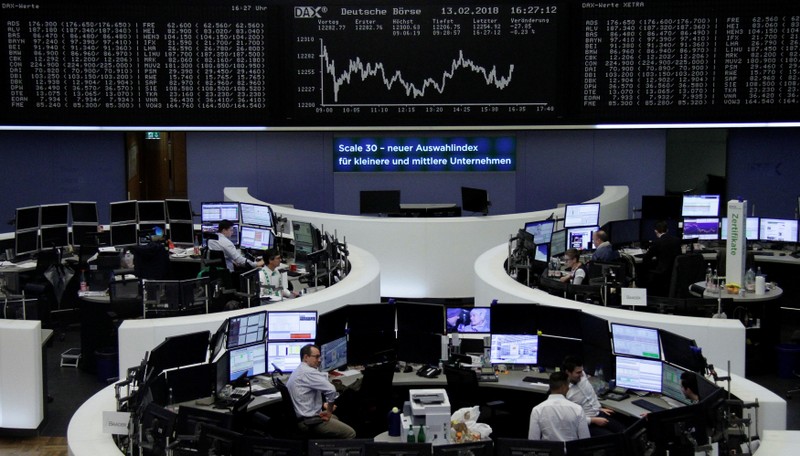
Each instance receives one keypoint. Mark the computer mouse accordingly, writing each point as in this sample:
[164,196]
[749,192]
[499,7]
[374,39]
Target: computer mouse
[408,369]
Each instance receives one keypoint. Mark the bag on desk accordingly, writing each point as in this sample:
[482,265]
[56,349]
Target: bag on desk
[465,426]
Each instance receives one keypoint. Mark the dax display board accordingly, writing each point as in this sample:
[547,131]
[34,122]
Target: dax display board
[277,63]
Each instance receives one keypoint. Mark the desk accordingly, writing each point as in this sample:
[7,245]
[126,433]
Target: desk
[779,443]
[773,293]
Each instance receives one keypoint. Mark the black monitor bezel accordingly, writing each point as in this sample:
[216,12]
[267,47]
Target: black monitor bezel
[126,205]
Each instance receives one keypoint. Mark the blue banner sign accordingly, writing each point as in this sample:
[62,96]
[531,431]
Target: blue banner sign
[423,154]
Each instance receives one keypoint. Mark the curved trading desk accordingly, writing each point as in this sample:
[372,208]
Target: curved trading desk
[361,286]
[431,257]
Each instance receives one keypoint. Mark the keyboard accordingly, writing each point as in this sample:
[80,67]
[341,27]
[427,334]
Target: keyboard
[487,378]
[647,405]
[535,380]
[261,392]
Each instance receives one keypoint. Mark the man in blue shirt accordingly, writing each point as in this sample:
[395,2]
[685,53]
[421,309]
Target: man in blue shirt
[604,252]
[307,385]
[233,257]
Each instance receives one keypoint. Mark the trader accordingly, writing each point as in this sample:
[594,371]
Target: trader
[664,250]
[603,252]
[689,386]
[307,385]
[272,279]
[233,257]
[576,271]
[582,393]
[557,418]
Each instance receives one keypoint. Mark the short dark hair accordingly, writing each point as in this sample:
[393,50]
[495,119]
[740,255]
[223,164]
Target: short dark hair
[306,350]
[558,380]
[689,381]
[602,235]
[570,363]
[224,225]
[661,226]
[270,254]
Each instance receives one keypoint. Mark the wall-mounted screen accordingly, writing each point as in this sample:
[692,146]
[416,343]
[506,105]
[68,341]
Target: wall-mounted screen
[217,211]
[638,374]
[468,319]
[255,238]
[700,206]
[635,341]
[333,354]
[246,329]
[581,238]
[301,325]
[122,211]
[778,230]
[515,349]
[256,214]
[249,361]
[541,230]
[587,214]
[83,211]
[704,229]
[54,214]
[284,355]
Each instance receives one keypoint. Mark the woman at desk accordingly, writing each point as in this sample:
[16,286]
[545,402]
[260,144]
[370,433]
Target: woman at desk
[576,271]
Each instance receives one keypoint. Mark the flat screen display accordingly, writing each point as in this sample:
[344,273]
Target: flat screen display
[624,232]
[581,238]
[751,229]
[250,360]
[26,242]
[379,201]
[704,229]
[639,374]
[179,209]
[124,234]
[79,233]
[541,253]
[474,200]
[247,329]
[468,319]
[54,236]
[635,341]
[778,230]
[181,232]
[558,243]
[251,237]
[122,212]
[700,206]
[541,230]
[284,355]
[515,349]
[587,214]
[256,214]
[292,325]
[671,383]
[334,354]
[27,218]
[83,211]
[54,214]
[217,211]
[151,211]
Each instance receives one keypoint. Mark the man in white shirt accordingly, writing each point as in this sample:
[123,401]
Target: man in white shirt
[582,393]
[307,385]
[557,418]
[233,257]
[272,280]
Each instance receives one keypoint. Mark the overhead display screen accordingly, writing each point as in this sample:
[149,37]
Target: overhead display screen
[262,64]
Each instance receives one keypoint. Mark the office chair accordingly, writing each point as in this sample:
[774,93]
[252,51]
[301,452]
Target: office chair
[463,391]
[285,424]
[219,278]
[686,270]
[373,400]
[151,261]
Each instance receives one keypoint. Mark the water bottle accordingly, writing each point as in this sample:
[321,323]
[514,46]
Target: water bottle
[714,280]
[708,277]
[394,422]
[410,435]
[750,280]
[84,285]
[421,435]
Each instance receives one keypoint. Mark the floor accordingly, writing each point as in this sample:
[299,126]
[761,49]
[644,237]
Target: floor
[69,387]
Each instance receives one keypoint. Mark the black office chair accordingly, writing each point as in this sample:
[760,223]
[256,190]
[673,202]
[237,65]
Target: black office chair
[463,390]
[220,280]
[686,270]
[151,261]
[373,400]
[284,423]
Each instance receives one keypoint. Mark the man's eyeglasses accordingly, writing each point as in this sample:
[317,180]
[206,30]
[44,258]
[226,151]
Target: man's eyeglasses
[315,356]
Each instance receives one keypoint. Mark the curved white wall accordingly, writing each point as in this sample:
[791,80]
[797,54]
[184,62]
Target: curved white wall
[431,257]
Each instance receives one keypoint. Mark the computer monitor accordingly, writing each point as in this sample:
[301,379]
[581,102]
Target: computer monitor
[255,238]
[124,234]
[671,383]
[513,318]
[181,350]
[84,212]
[474,200]
[397,449]
[26,242]
[681,351]
[624,232]
[418,347]
[704,229]
[468,320]
[151,211]
[777,230]
[542,230]
[246,329]
[27,218]
[300,325]
[751,229]
[638,374]
[333,354]
[371,317]
[379,201]
[635,341]
[669,428]
[256,214]
[54,236]
[420,316]
[54,214]
[525,447]
[123,211]
[181,233]
[660,207]
[700,206]
[371,347]
[581,238]
[208,228]
[587,214]
[284,355]
[249,361]
[462,449]
[553,350]
[80,234]
[558,243]
[179,210]
[147,231]
[514,349]
[217,211]
[557,321]
[541,253]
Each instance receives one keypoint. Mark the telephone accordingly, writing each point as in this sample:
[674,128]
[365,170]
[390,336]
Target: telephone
[429,372]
